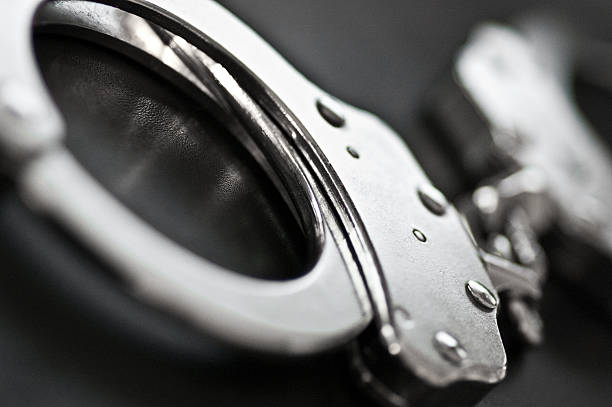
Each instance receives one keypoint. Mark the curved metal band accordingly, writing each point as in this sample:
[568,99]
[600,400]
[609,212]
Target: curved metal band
[275,316]
[423,279]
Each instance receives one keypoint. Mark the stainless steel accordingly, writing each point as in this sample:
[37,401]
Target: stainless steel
[329,110]
[273,316]
[433,199]
[377,389]
[502,208]
[390,247]
[449,347]
[521,85]
[500,245]
[527,320]
[514,278]
[557,171]
[29,121]
[481,295]
[526,248]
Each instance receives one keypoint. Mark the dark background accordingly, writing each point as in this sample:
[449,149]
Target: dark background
[68,334]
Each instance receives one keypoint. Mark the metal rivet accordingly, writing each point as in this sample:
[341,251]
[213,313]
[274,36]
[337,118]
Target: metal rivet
[433,199]
[394,348]
[329,112]
[354,153]
[390,337]
[388,332]
[501,245]
[449,347]
[481,295]
[486,199]
[419,235]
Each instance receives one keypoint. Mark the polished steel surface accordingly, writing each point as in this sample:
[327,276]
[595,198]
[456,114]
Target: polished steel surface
[390,245]
[481,295]
[433,199]
[521,84]
[274,316]
[449,347]
[30,123]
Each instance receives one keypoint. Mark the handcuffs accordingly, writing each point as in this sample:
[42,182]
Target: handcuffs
[392,253]
[539,165]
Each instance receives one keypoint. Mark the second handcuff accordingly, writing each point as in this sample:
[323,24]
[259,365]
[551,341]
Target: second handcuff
[537,168]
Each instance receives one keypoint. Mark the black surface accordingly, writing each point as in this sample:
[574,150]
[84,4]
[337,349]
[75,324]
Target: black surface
[70,336]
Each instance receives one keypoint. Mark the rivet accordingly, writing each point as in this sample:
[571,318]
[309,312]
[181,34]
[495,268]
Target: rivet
[486,199]
[501,245]
[419,235]
[354,153]
[394,348]
[432,199]
[329,112]
[388,332]
[449,347]
[481,295]
[390,337]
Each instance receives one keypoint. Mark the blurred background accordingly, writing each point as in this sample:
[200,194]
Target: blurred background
[71,336]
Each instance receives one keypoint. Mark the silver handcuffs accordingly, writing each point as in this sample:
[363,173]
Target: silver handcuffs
[551,169]
[391,250]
